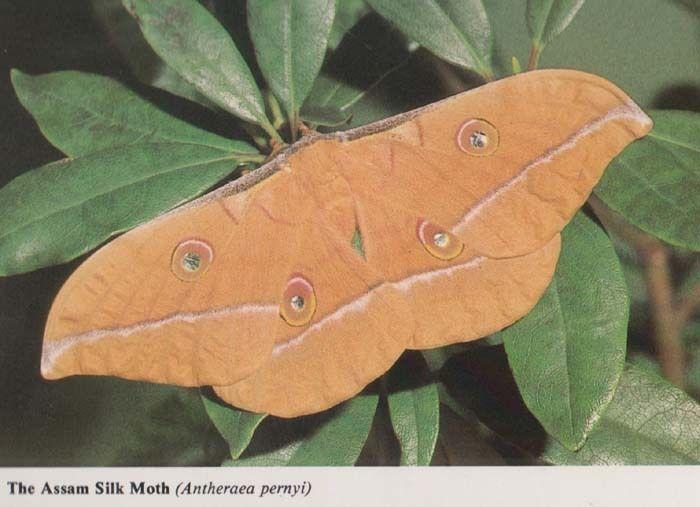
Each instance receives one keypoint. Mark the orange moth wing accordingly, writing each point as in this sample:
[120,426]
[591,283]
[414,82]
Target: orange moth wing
[258,290]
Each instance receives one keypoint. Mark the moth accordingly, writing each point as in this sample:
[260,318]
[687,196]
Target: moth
[293,287]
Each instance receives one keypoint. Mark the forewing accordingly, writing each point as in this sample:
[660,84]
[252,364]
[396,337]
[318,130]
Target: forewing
[557,130]
[126,312]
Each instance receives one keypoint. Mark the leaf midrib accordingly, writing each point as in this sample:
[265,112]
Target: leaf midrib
[102,194]
[647,437]
[567,359]
[464,40]
[110,120]
[656,135]
[288,60]
[538,37]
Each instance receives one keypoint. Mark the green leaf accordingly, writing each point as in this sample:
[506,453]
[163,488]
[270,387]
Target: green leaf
[191,41]
[124,32]
[290,38]
[59,211]
[515,64]
[436,358]
[548,18]
[567,354]
[236,426]
[347,14]
[142,423]
[464,442]
[414,407]
[655,182]
[356,69]
[106,421]
[331,93]
[455,30]
[82,113]
[332,438]
[324,116]
[649,422]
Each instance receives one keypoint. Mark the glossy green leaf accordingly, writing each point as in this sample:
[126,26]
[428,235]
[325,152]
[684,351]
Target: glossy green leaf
[436,358]
[649,422]
[347,14]
[515,65]
[141,423]
[331,93]
[414,407]
[54,213]
[655,182]
[191,41]
[331,438]
[356,68]
[548,18]
[464,443]
[106,421]
[455,30]
[325,116]
[124,33]
[290,38]
[81,113]
[236,426]
[567,354]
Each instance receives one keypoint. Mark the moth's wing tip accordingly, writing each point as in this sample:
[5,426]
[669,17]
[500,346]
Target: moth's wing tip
[48,366]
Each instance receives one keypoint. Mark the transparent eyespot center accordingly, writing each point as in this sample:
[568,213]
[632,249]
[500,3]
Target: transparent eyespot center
[477,137]
[298,301]
[191,259]
[441,239]
[437,241]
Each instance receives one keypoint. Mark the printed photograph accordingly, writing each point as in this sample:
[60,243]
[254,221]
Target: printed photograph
[349,233]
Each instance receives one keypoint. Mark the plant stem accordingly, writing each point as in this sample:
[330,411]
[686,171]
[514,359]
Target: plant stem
[293,126]
[256,159]
[668,318]
[256,135]
[688,305]
[451,82]
[534,57]
[275,110]
[267,126]
[487,74]
[657,274]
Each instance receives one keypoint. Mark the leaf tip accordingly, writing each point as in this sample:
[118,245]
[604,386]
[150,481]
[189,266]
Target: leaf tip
[17,77]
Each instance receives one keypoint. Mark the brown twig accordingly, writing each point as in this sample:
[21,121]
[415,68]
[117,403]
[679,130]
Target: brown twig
[688,305]
[534,60]
[667,324]
[449,79]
